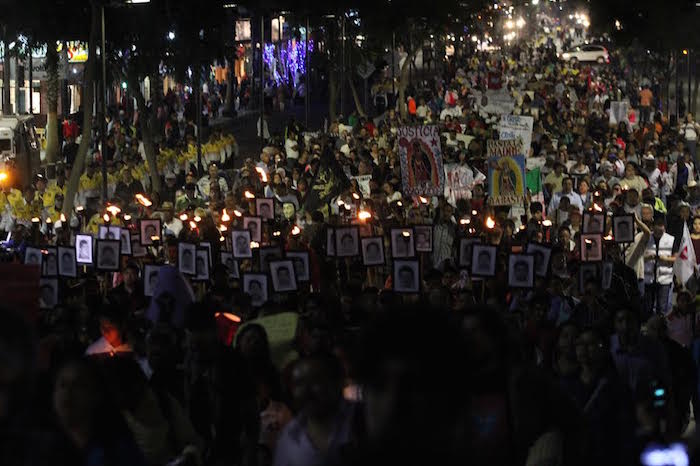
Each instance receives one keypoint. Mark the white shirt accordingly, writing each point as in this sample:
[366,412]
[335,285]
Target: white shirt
[663,272]
[175,226]
[289,145]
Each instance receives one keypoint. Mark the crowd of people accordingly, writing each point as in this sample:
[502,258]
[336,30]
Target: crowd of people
[301,308]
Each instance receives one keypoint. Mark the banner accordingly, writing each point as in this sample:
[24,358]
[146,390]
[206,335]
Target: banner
[327,184]
[421,161]
[618,112]
[459,182]
[497,102]
[363,184]
[514,127]
[506,172]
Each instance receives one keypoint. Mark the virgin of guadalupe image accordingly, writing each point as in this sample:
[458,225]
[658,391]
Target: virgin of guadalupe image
[507,179]
[420,161]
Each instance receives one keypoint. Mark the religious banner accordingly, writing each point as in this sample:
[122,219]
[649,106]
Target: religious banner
[618,112]
[513,127]
[506,162]
[421,161]
[459,182]
[363,184]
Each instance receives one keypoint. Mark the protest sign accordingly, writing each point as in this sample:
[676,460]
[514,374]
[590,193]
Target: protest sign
[421,161]
[513,127]
[506,176]
[618,112]
[497,102]
[459,182]
[281,330]
[363,184]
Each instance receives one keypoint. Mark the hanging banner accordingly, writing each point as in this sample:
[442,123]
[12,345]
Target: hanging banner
[506,172]
[513,127]
[421,161]
[363,184]
[618,112]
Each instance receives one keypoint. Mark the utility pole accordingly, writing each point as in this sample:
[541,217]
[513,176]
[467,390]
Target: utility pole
[393,68]
[103,122]
[262,81]
[342,70]
[31,78]
[690,106]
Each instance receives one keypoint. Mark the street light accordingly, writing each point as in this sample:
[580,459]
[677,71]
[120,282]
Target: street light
[171,35]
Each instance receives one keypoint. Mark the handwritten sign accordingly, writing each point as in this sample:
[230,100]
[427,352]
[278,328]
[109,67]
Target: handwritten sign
[513,127]
[506,175]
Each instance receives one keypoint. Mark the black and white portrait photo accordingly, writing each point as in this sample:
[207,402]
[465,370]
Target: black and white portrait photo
[254,226]
[186,253]
[255,286]
[300,259]
[32,256]
[149,229]
[241,244]
[48,293]
[207,245]
[202,265]
[591,247]
[283,276]
[587,273]
[373,251]
[265,208]
[150,279]
[330,242]
[347,242]
[231,264]
[66,262]
[108,255]
[402,243]
[406,277]
[83,249]
[483,260]
[465,251]
[542,254]
[49,266]
[108,232]
[606,273]
[424,238]
[623,229]
[137,249]
[268,254]
[521,271]
[125,237]
[593,222]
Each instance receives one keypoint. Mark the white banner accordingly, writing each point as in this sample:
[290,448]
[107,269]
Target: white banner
[513,127]
[363,183]
[618,112]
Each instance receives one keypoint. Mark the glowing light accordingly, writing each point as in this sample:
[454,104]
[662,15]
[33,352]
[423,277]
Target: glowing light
[48,220]
[547,223]
[228,315]
[520,23]
[287,60]
[473,212]
[422,200]
[254,245]
[340,202]
[193,225]
[113,209]
[263,175]
[522,227]
[222,239]
[490,223]
[225,217]
[464,221]
[296,230]
[510,24]
[223,228]
[106,217]
[143,200]
[63,218]
[155,238]
[237,213]
[183,217]
[685,51]
[364,215]
[249,195]
[127,217]
[36,220]
[535,2]
[608,238]
[587,241]
[597,207]
[406,233]
[355,196]
[399,203]
[276,233]
[197,218]
[79,208]
[3,177]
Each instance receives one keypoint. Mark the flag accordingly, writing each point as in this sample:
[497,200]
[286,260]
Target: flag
[684,267]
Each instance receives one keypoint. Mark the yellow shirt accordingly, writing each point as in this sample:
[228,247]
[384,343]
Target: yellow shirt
[555,181]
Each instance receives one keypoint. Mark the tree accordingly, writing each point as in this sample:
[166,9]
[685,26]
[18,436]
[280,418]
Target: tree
[52,150]
[88,99]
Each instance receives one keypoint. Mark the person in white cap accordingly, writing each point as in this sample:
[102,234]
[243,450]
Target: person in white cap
[652,173]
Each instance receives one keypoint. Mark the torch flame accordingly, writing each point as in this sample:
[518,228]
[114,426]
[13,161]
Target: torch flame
[490,223]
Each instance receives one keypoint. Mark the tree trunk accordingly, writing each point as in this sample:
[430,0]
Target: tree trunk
[87,101]
[356,98]
[403,83]
[230,76]
[696,84]
[52,151]
[6,110]
[332,95]
[148,123]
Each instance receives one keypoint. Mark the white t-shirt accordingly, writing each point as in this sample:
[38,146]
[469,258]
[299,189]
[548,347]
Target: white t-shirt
[289,146]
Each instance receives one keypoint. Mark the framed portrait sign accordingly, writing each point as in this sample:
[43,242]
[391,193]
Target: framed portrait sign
[255,286]
[402,243]
[423,238]
[268,254]
[206,245]
[150,279]
[33,256]
[466,246]
[542,254]
[265,208]
[623,229]
[484,258]
[108,232]
[240,240]
[83,249]
[67,266]
[283,276]
[406,276]
[149,229]
[137,249]
[300,260]
[49,263]
[587,272]
[186,258]
[373,251]
[231,265]
[521,271]
[591,247]
[202,265]
[48,293]
[347,242]
[108,255]
[593,222]
[606,272]
[125,238]
[254,226]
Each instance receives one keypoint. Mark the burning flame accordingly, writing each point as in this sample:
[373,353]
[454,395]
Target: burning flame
[546,223]
[225,216]
[364,215]
[465,221]
[35,220]
[296,230]
[143,200]
[183,217]
[355,196]
[127,217]
[228,315]
[249,195]
[48,220]
[63,218]
[276,233]
[406,233]
[423,200]
[254,245]
[197,218]
[113,209]
[490,223]
[263,175]
[237,213]
[222,228]
[106,217]
[193,225]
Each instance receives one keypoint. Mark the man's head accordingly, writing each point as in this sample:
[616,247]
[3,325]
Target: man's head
[213,171]
[187,258]
[659,225]
[318,383]
[567,185]
[347,242]
[520,271]
[483,260]
[406,277]
[284,277]
[66,261]
[242,243]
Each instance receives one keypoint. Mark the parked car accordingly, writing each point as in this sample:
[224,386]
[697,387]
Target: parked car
[587,52]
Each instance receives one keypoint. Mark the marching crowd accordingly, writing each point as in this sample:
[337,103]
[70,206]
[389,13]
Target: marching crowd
[377,350]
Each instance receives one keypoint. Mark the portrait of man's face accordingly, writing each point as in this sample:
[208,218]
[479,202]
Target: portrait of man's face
[253,229]
[255,291]
[83,249]
[67,261]
[108,258]
[150,231]
[47,295]
[187,259]
[484,261]
[242,244]
[33,258]
[51,263]
[265,211]
[153,280]
[229,264]
[284,277]
[594,224]
[299,269]
[402,245]
[406,278]
[373,252]
[422,240]
[347,243]
[200,265]
[521,272]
